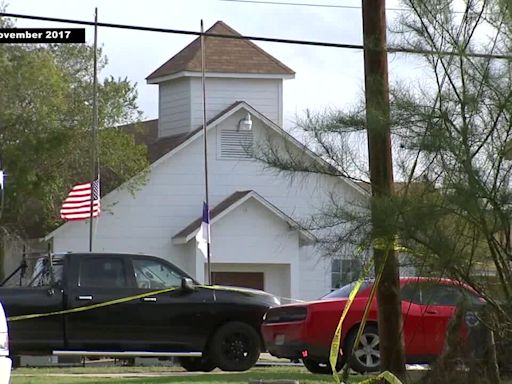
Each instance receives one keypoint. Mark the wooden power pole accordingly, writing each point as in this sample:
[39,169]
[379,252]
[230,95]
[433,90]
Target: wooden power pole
[381,176]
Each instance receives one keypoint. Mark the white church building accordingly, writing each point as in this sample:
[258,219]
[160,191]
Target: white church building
[256,236]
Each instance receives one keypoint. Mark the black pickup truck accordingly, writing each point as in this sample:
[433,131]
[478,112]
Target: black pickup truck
[205,326]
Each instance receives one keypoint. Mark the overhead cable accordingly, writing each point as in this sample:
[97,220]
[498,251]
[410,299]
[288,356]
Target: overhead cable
[254,38]
[183,32]
[307,4]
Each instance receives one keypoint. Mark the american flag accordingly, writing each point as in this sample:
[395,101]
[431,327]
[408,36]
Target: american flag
[77,205]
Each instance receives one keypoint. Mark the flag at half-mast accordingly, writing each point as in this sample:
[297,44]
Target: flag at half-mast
[203,236]
[77,205]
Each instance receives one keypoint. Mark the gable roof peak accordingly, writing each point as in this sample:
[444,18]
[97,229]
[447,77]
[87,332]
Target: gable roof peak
[222,55]
[220,24]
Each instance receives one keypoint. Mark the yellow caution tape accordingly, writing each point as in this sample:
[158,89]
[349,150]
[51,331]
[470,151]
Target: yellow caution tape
[336,340]
[235,289]
[124,300]
[386,375]
[363,321]
[92,306]
[384,245]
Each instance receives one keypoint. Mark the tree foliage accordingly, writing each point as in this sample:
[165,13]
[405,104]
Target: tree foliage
[452,143]
[45,130]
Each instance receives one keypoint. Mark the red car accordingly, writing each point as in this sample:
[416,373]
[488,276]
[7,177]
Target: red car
[305,331]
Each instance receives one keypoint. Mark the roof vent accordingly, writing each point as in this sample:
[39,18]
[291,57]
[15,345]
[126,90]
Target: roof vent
[236,144]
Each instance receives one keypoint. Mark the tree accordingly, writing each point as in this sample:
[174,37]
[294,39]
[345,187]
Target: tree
[452,134]
[45,130]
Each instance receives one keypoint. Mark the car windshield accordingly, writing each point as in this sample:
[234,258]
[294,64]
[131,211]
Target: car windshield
[344,292]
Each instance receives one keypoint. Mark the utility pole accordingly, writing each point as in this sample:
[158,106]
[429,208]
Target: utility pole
[381,176]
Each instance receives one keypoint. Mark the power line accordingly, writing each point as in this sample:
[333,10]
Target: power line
[255,38]
[356,7]
[307,4]
[184,32]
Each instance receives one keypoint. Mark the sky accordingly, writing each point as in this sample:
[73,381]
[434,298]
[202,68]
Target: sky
[326,78]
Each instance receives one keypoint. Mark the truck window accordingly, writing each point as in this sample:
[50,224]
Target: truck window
[102,272]
[44,272]
[151,274]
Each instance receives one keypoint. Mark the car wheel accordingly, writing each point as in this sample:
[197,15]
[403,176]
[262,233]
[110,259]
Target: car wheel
[197,364]
[324,368]
[235,347]
[366,355]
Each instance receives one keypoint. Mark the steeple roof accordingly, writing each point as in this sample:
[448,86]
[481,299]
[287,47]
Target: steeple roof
[222,55]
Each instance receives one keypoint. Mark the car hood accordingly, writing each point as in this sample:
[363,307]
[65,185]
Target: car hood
[341,301]
[250,292]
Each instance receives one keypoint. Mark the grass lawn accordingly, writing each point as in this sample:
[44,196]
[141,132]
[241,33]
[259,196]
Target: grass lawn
[81,375]
[174,375]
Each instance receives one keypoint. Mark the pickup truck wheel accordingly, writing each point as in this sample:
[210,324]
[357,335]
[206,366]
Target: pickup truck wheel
[197,364]
[235,346]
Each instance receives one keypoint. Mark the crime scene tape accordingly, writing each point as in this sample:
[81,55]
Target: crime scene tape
[166,290]
[386,375]
[127,299]
[364,319]
[335,345]
[92,306]
[235,289]
[345,372]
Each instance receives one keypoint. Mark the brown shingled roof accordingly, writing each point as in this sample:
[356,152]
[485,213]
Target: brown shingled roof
[146,133]
[219,208]
[223,55]
[183,235]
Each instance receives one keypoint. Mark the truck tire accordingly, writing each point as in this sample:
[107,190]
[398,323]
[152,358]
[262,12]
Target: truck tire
[235,346]
[197,364]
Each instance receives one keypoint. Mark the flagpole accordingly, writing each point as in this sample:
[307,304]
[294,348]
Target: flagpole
[203,82]
[94,124]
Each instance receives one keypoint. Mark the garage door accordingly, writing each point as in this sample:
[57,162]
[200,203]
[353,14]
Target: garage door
[239,279]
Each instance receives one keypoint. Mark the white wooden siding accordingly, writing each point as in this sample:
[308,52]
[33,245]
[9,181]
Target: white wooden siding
[181,100]
[249,223]
[172,198]
[174,107]
[263,95]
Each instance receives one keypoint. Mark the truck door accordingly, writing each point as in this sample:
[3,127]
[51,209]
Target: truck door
[100,278]
[41,294]
[37,334]
[172,321]
[178,318]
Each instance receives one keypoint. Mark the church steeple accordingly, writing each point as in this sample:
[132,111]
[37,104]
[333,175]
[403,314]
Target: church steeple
[236,70]
[223,56]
